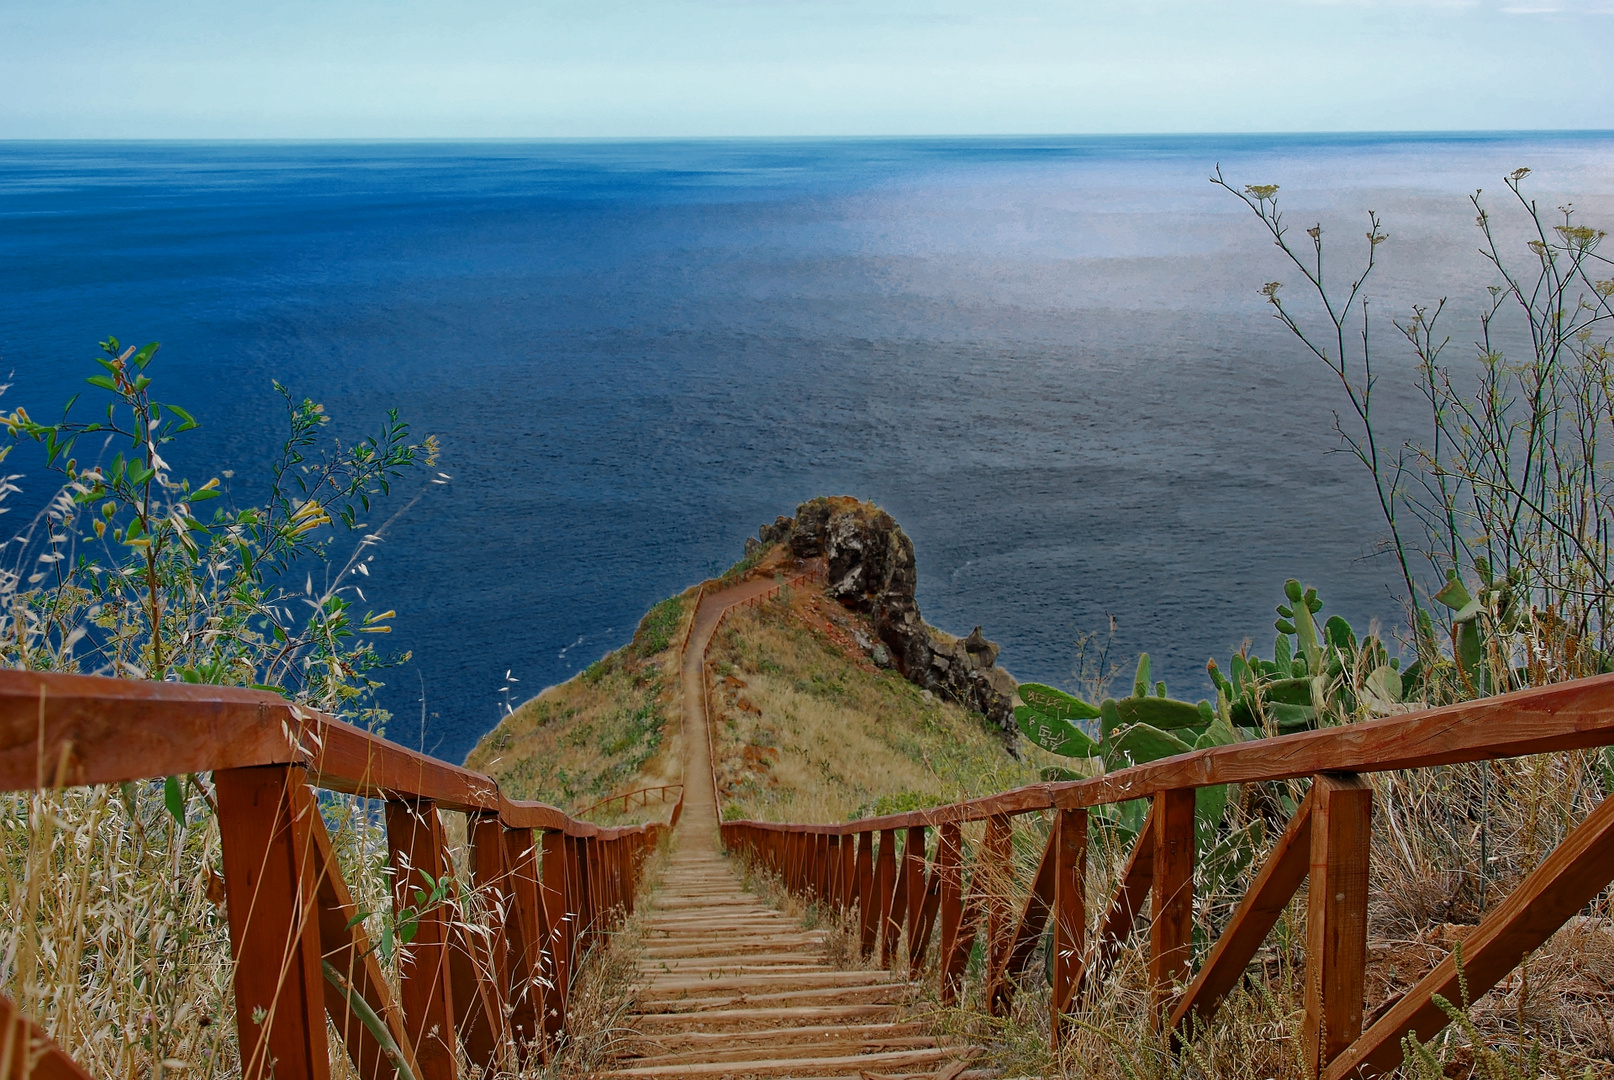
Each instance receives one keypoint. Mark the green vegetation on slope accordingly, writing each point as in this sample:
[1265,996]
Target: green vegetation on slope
[602,732]
[809,730]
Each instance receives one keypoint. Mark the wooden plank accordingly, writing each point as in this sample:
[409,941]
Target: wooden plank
[27,1053]
[919,944]
[950,870]
[1069,913]
[1027,931]
[832,871]
[828,869]
[955,961]
[827,854]
[344,758]
[269,861]
[477,963]
[525,931]
[415,837]
[1121,917]
[1171,923]
[84,729]
[848,872]
[346,947]
[1259,911]
[577,894]
[913,871]
[1565,882]
[865,892]
[886,896]
[1336,916]
[994,883]
[554,893]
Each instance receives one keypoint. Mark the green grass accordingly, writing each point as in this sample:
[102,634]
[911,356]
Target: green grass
[808,730]
[609,729]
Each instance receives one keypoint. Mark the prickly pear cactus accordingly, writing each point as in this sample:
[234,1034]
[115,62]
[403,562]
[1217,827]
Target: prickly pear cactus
[1132,730]
[1309,680]
[1049,718]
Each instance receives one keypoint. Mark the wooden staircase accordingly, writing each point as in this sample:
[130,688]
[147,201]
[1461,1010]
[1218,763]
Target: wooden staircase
[734,989]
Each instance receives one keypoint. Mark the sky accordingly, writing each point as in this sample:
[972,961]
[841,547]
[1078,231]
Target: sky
[347,69]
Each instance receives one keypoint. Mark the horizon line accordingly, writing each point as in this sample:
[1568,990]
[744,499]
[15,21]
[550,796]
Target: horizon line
[1407,133]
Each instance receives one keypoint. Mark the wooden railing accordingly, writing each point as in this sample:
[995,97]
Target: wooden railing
[1326,840]
[498,992]
[642,794]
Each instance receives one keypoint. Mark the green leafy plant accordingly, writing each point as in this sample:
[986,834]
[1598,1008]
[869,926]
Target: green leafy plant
[132,570]
[1500,520]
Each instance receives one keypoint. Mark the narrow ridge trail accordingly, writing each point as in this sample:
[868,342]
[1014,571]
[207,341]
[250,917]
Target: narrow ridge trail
[733,989]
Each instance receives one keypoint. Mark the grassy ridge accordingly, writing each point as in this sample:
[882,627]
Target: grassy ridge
[611,728]
[809,730]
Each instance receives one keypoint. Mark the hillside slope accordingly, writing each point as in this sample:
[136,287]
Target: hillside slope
[611,728]
[807,726]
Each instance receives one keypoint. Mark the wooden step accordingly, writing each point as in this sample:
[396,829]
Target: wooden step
[798,1067]
[761,1018]
[673,1040]
[878,993]
[680,985]
[754,964]
[828,1045]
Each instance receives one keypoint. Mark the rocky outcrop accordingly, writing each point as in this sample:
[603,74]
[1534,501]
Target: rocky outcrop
[871,570]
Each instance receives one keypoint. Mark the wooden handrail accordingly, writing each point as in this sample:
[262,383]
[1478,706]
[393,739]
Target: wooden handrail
[499,995]
[1327,842]
[626,797]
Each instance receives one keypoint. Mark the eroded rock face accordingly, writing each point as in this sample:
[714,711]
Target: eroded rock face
[871,570]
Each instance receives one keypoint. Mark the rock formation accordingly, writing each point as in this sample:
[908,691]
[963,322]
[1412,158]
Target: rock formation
[871,570]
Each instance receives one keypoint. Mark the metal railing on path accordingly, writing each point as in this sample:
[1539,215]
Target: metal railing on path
[497,992]
[1326,841]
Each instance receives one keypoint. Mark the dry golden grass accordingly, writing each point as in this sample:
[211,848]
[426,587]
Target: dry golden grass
[612,728]
[807,729]
[809,733]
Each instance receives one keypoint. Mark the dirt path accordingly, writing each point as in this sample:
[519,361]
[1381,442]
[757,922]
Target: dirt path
[734,989]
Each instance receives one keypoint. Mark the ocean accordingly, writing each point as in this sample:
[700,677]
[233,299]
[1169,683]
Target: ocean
[1048,358]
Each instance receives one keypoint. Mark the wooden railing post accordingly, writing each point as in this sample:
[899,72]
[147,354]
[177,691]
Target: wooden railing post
[490,875]
[555,893]
[525,931]
[995,874]
[848,872]
[820,868]
[920,932]
[269,863]
[578,905]
[913,887]
[1336,915]
[886,888]
[415,837]
[950,871]
[832,870]
[1070,913]
[1171,928]
[865,892]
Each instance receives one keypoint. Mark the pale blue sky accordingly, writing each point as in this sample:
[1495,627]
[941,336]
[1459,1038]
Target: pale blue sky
[366,68]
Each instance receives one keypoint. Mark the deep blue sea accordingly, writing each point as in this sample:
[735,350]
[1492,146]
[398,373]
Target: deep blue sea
[1048,358]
